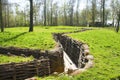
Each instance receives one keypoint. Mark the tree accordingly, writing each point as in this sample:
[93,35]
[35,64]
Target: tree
[71,3]
[93,12]
[48,15]
[113,11]
[115,8]
[118,22]
[85,18]
[36,7]
[65,14]
[45,13]
[103,12]
[51,4]
[117,14]
[8,10]
[77,12]
[55,13]
[31,16]
[5,12]
[1,20]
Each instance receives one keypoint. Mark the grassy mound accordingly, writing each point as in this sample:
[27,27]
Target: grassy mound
[41,38]
[8,59]
[105,47]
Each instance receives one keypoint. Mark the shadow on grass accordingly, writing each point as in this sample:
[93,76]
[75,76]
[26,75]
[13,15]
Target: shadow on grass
[16,36]
[116,78]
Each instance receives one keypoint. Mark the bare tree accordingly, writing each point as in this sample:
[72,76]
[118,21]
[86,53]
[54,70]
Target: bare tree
[103,13]
[1,20]
[8,13]
[118,22]
[4,12]
[51,11]
[65,14]
[113,11]
[87,14]
[31,16]
[71,4]
[117,14]
[45,13]
[77,12]
[93,12]
[56,14]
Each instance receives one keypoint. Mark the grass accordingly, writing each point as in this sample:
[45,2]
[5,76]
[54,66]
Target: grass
[41,38]
[9,59]
[105,47]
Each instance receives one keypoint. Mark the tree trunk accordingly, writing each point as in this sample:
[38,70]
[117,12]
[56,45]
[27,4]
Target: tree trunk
[86,13]
[24,17]
[1,20]
[71,11]
[93,12]
[77,13]
[56,17]
[113,22]
[8,15]
[45,13]
[5,16]
[51,13]
[65,15]
[103,23]
[118,22]
[71,17]
[31,16]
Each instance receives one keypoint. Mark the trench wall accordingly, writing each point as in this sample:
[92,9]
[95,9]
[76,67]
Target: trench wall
[73,48]
[21,71]
[53,59]
[46,63]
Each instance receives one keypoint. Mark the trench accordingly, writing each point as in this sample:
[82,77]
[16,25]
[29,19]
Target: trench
[68,56]
[76,54]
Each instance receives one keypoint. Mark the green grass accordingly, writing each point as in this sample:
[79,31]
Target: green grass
[9,59]
[105,47]
[41,38]
[59,77]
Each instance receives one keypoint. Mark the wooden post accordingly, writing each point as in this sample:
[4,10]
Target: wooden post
[14,70]
[48,66]
[37,67]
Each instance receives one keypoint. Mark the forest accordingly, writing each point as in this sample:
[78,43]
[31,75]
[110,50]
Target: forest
[54,13]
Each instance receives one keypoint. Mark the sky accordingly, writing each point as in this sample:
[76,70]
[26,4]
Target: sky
[22,3]
[82,5]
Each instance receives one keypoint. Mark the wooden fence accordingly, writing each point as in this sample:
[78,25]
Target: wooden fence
[21,71]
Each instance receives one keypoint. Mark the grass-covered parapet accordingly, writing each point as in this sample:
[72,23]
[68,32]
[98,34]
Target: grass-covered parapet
[41,38]
[105,47]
